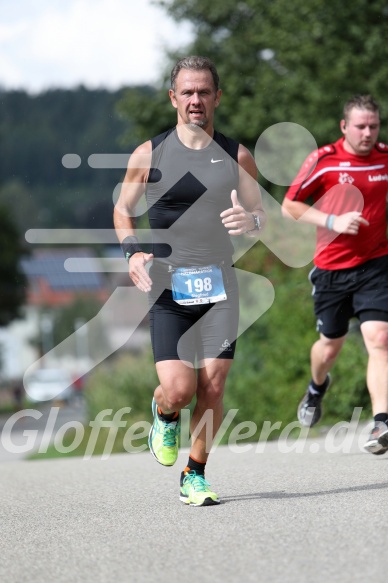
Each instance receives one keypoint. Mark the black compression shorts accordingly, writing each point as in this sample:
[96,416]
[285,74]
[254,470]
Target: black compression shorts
[195,332]
[342,294]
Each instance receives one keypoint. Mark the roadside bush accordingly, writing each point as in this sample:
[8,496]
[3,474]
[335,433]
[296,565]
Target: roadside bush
[272,363]
[129,382]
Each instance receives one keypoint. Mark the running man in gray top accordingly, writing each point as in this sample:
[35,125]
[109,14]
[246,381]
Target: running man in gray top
[201,188]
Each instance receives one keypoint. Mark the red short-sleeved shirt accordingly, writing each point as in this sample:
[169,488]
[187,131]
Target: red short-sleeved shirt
[340,182]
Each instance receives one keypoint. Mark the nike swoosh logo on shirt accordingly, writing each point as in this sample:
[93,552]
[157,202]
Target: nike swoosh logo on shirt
[214,161]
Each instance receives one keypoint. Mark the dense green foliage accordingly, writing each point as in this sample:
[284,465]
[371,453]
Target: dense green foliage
[271,369]
[12,281]
[277,63]
[36,131]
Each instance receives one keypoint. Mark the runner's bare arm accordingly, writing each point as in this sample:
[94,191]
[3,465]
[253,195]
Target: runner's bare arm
[247,201]
[124,214]
[348,223]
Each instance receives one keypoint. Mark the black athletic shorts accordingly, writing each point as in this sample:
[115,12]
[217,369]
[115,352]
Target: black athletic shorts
[195,332]
[342,294]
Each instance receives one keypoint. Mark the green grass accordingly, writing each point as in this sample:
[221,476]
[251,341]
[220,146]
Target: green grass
[94,443]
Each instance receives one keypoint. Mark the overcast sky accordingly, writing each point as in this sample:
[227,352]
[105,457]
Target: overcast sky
[99,43]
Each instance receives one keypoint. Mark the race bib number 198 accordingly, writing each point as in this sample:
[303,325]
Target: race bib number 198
[198,285]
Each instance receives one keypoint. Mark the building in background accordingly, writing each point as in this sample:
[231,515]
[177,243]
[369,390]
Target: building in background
[52,287]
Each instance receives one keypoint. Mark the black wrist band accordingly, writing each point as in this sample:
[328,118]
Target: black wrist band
[130,246]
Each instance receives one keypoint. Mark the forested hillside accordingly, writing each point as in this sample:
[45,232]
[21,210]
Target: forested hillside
[36,131]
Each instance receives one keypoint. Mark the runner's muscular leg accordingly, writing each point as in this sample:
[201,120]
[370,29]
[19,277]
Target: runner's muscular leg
[323,355]
[375,336]
[178,384]
[208,412]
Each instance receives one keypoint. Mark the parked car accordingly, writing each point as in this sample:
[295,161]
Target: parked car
[48,384]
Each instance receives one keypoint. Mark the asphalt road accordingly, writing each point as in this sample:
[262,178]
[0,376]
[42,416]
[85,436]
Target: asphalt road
[35,428]
[313,515]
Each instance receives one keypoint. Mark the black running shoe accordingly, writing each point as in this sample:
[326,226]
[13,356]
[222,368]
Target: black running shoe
[310,408]
[378,439]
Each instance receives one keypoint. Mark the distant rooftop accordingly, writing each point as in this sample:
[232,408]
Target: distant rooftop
[50,265]
[48,278]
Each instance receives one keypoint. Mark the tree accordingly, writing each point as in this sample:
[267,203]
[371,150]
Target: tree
[81,310]
[12,280]
[17,198]
[36,132]
[279,63]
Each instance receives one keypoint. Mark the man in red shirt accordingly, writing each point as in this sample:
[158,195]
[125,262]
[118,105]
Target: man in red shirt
[348,184]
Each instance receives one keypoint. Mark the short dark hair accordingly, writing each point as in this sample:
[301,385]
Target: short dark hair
[360,102]
[195,63]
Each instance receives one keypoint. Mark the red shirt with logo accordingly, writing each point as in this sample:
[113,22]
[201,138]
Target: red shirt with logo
[339,182]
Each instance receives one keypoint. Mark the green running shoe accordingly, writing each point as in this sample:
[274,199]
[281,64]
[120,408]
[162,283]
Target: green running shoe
[195,490]
[163,438]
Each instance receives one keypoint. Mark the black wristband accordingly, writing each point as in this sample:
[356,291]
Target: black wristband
[130,246]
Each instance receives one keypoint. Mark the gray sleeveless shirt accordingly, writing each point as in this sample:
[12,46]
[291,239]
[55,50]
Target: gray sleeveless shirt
[186,192]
